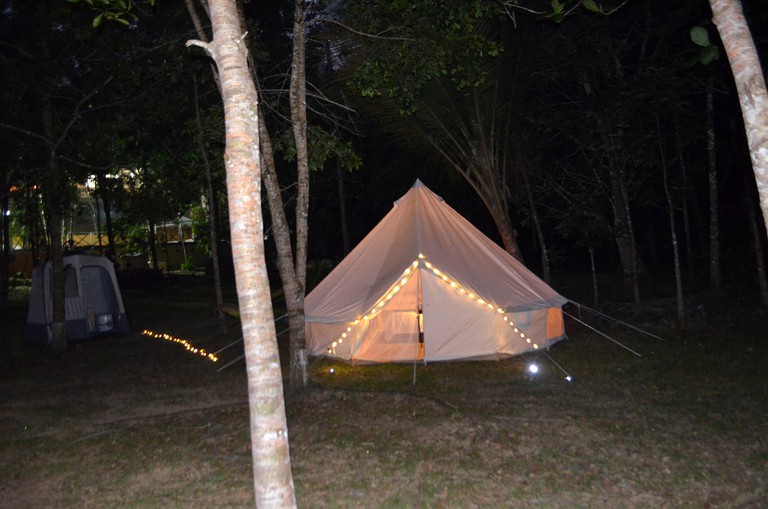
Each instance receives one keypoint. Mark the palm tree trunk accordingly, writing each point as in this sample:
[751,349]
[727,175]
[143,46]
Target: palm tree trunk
[272,478]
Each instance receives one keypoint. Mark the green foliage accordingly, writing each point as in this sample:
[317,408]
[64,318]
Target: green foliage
[709,52]
[323,146]
[415,42]
[119,11]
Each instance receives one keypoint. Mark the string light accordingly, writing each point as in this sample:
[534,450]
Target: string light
[455,285]
[186,344]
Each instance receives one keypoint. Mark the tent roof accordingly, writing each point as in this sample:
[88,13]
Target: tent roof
[422,223]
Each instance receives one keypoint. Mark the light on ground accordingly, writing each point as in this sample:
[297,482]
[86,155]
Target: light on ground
[533,368]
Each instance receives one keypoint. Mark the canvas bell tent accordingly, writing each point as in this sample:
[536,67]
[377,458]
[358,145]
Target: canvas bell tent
[426,285]
[93,302]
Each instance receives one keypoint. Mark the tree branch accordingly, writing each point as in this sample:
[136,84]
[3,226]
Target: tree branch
[207,47]
[24,131]
[358,32]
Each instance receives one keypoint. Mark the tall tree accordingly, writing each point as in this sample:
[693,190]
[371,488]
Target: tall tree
[436,65]
[272,478]
[729,18]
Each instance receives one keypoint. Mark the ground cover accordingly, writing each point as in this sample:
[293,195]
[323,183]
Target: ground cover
[134,421]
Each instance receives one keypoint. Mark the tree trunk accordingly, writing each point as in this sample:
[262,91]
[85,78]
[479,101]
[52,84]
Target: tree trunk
[58,327]
[55,206]
[536,224]
[342,208]
[5,239]
[594,273]
[285,264]
[272,478]
[623,234]
[684,202]
[298,101]
[715,279]
[750,84]
[212,223]
[673,234]
[762,276]
[508,238]
[107,205]
[152,241]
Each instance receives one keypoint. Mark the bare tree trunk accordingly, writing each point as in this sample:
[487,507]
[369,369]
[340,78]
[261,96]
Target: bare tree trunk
[623,234]
[715,278]
[342,208]
[684,204]
[213,230]
[272,478]
[5,239]
[750,84]
[152,240]
[298,101]
[673,233]
[537,225]
[55,206]
[594,273]
[59,325]
[757,239]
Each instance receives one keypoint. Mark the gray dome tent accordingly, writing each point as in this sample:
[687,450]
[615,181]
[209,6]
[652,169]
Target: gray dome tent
[93,302]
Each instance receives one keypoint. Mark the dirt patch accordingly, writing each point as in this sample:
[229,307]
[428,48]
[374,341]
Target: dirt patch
[135,422]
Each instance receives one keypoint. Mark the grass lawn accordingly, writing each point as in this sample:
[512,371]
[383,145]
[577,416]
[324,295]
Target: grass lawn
[133,421]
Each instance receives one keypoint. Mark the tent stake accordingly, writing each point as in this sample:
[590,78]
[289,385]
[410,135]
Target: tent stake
[567,375]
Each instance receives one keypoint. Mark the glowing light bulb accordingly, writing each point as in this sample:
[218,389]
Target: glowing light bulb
[331,371]
[533,368]
[568,378]
[333,345]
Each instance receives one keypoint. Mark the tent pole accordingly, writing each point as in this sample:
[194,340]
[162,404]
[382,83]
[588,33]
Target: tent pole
[414,372]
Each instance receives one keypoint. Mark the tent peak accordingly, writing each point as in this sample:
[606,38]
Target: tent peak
[418,183]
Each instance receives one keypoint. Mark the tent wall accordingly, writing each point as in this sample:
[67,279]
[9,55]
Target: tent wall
[425,284]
